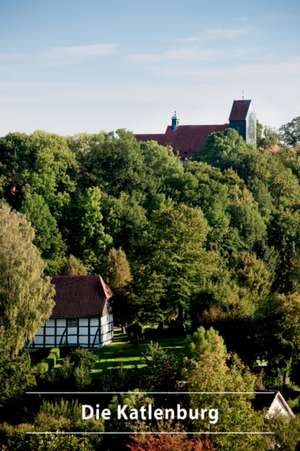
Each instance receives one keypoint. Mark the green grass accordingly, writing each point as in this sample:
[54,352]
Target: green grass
[126,355]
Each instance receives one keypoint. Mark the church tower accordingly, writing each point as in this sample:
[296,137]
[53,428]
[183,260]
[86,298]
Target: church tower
[243,119]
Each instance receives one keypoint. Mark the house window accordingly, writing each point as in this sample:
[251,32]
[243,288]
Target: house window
[72,322]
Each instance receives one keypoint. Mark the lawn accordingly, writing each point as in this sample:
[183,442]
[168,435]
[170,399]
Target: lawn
[126,355]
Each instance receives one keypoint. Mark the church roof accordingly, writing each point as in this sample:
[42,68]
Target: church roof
[159,137]
[185,138]
[80,296]
[188,139]
[239,110]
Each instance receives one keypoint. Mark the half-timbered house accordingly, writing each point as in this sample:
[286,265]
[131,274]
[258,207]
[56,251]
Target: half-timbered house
[82,315]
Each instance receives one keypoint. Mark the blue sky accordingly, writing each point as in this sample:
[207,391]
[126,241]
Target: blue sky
[70,66]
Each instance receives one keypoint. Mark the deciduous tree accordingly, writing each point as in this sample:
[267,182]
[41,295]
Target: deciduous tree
[26,295]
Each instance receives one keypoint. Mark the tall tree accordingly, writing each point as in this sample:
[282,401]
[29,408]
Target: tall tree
[48,238]
[174,249]
[74,267]
[91,239]
[118,269]
[208,368]
[26,295]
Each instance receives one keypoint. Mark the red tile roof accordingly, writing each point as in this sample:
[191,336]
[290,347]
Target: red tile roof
[239,110]
[186,139]
[80,296]
[159,137]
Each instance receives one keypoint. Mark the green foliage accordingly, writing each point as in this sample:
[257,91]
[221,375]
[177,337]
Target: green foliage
[25,293]
[163,368]
[42,367]
[177,260]
[282,339]
[124,219]
[266,137]
[287,433]
[48,238]
[56,352]
[225,149]
[92,240]
[16,375]
[74,267]
[214,242]
[118,269]
[208,368]
[290,132]
[83,361]
[15,438]
[50,360]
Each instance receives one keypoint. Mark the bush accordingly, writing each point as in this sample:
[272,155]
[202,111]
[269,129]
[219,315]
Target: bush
[56,352]
[51,360]
[84,361]
[15,438]
[42,367]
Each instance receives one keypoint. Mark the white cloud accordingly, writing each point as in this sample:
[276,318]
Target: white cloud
[61,55]
[186,54]
[183,54]
[79,52]
[216,34]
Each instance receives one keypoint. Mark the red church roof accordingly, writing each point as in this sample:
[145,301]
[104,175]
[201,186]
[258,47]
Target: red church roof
[188,139]
[239,110]
[80,296]
[185,139]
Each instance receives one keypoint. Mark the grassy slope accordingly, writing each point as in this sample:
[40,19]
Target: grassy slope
[126,355]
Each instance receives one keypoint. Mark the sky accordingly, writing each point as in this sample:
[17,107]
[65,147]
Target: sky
[72,66]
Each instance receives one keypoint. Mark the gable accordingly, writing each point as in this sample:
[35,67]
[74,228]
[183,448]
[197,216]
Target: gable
[280,407]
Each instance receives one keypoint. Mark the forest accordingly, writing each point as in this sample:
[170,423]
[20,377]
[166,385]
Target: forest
[207,250]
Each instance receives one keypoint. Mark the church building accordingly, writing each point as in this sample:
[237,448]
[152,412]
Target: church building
[189,139]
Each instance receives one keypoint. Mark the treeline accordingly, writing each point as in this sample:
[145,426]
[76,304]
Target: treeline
[211,242]
[214,241]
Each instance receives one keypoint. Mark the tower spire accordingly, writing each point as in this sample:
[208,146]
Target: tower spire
[175,121]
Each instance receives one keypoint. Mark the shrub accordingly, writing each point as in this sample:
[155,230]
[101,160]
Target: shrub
[56,352]
[42,367]
[15,438]
[51,360]
[84,361]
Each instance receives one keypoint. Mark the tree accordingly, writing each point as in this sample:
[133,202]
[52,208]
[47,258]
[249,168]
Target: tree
[74,267]
[26,295]
[225,149]
[266,137]
[284,235]
[171,442]
[15,375]
[114,162]
[282,338]
[42,161]
[174,249]
[290,132]
[125,220]
[163,368]
[48,238]
[91,239]
[118,269]
[208,368]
